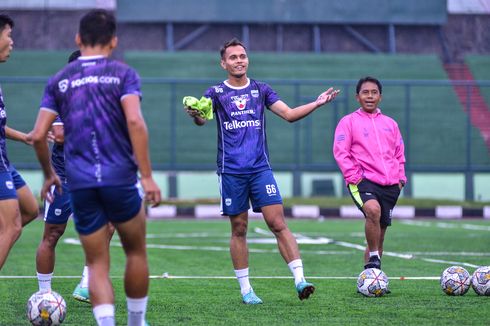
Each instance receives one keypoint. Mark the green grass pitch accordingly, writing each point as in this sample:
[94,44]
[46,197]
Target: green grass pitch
[201,289]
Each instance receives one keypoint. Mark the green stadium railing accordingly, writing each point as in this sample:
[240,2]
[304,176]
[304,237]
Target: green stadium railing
[438,134]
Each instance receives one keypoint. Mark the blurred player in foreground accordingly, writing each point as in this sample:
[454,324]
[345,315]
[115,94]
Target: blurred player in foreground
[18,206]
[244,169]
[106,141]
[56,216]
[369,150]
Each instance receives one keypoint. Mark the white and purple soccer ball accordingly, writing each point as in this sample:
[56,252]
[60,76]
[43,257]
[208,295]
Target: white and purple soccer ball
[455,280]
[46,308]
[372,282]
[480,281]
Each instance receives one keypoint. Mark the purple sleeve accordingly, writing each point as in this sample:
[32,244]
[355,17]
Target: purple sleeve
[132,84]
[210,93]
[271,96]
[49,101]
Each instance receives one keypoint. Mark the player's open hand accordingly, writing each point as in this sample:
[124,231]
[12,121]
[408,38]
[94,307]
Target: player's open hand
[327,96]
[152,191]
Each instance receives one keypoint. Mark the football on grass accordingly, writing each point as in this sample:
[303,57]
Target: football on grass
[46,308]
[480,281]
[372,282]
[455,280]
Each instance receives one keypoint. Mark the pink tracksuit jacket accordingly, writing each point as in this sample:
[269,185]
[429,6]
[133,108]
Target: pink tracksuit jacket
[370,146]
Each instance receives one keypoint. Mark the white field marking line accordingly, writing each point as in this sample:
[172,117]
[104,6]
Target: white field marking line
[444,225]
[168,276]
[443,253]
[387,253]
[73,241]
[339,243]
[430,260]
[185,235]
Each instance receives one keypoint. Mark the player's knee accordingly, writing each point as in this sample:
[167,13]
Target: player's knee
[52,239]
[373,212]
[14,232]
[239,230]
[277,226]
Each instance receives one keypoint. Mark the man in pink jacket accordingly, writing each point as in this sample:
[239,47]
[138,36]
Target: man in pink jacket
[369,150]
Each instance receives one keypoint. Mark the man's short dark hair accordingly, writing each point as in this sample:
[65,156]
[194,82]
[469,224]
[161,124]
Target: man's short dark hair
[5,20]
[233,42]
[97,27]
[368,79]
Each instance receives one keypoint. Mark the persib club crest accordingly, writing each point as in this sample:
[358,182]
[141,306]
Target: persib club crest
[240,101]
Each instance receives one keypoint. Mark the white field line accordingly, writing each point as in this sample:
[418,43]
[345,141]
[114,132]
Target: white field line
[301,239]
[210,277]
[444,225]
[447,253]
[430,260]
[73,241]
[339,243]
[387,253]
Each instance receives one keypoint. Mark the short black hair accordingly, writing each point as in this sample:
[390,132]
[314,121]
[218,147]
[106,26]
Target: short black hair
[368,79]
[97,27]
[5,20]
[74,56]
[233,42]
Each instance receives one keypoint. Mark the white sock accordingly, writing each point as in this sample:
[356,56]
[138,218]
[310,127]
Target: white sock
[243,280]
[44,281]
[373,253]
[104,315]
[296,267]
[84,280]
[136,311]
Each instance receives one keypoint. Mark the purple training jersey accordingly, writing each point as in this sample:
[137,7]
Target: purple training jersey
[4,162]
[87,95]
[240,117]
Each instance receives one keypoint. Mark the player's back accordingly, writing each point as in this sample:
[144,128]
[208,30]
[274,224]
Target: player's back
[87,95]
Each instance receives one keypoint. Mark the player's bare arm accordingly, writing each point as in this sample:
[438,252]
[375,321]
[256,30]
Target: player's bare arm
[138,134]
[39,141]
[17,135]
[291,115]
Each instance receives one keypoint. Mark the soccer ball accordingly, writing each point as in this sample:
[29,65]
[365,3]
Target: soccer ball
[46,308]
[372,282]
[480,281]
[455,280]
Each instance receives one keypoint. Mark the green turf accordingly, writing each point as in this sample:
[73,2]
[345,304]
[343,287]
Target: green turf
[208,301]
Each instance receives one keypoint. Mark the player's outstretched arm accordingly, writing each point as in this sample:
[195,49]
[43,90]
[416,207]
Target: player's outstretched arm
[138,134]
[17,135]
[284,111]
[39,141]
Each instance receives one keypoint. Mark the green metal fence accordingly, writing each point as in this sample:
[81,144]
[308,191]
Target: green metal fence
[438,131]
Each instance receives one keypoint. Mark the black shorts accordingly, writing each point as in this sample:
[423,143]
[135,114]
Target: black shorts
[386,196]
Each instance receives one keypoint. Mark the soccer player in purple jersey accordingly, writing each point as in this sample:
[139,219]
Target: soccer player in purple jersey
[106,142]
[243,162]
[18,206]
[56,216]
